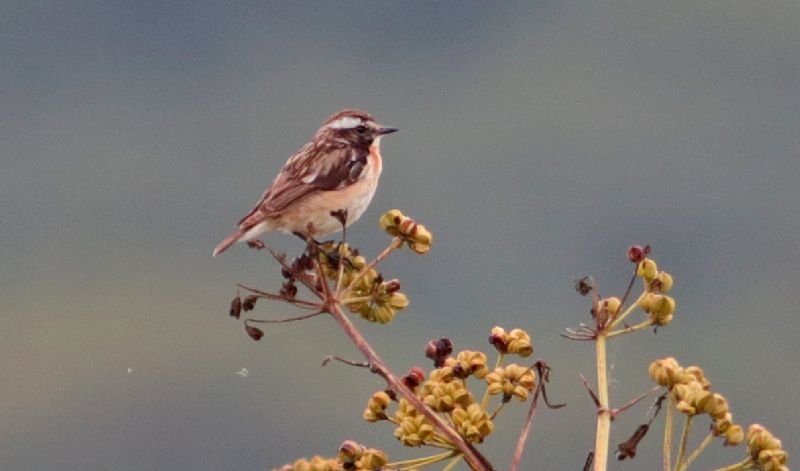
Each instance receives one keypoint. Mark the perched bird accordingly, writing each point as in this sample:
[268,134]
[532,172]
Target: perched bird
[325,186]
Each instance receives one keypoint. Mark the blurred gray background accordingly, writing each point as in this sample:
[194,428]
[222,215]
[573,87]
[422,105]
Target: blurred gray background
[537,141]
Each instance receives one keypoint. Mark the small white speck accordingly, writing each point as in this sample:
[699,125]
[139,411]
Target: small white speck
[243,372]
[130,370]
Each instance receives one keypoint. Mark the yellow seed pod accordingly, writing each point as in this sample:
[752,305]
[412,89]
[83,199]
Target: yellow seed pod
[372,459]
[660,318]
[717,407]
[349,452]
[695,373]
[665,371]
[472,423]
[611,305]
[665,282]
[519,343]
[398,301]
[358,262]
[662,304]
[734,435]
[376,407]
[647,269]
[414,431]
[420,242]
[469,363]
[772,460]
[722,424]
[390,221]
[646,301]
[381,314]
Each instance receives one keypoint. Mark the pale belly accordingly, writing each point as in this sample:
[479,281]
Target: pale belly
[316,208]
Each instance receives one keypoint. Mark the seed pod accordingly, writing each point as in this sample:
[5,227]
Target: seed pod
[236,307]
[663,281]
[637,253]
[249,302]
[254,332]
[414,377]
[647,269]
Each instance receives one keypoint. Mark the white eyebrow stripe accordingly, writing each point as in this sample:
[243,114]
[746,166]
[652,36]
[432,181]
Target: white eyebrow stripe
[346,123]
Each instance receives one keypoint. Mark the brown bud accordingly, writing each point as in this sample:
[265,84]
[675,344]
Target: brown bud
[438,350]
[254,332]
[249,302]
[414,378]
[288,290]
[236,307]
[350,451]
[637,253]
[392,286]
[585,285]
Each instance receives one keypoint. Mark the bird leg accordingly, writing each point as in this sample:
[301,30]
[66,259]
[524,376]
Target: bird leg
[341,216]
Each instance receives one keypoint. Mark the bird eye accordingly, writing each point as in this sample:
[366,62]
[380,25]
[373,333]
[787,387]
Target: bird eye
[361,129]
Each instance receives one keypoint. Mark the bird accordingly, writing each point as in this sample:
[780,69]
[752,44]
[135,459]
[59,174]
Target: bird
[324,187]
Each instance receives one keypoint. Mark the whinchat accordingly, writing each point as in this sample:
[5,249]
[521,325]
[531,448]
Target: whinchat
[325,186]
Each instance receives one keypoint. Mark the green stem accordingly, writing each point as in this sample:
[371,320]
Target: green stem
[696,453]
[627,312]
[667,460]
[687,426]
[356,299]
[396,243]
[452,464]
[631,329]
[423,461]
[740,466]
[485,399]
[603,413]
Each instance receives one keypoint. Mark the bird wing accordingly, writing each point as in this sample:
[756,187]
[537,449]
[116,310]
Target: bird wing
[311,169]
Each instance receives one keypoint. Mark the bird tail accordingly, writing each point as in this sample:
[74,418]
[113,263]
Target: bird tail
[228,241]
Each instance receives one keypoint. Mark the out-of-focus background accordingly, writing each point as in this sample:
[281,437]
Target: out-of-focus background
[537,141]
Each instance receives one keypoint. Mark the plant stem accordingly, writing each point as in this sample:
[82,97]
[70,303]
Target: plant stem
[603,413]
[523,436]
[667,460]
[452,464]
[687,426]
[696,453]
[740,466]
[474,459]
[629,310]
[423,461]
[396,243]
[485,399]
[633,328]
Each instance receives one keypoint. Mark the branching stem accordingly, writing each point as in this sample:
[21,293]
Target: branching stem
[667,458]
[696,453]
[603,413]
[474,459]
[687,427]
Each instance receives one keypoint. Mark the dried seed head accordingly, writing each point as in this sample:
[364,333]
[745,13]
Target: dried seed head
[249,302]
[499,339]
[349,452]
[236,307]
[585,285]
[413,378]
[637,253]
[438,350]
[254,332]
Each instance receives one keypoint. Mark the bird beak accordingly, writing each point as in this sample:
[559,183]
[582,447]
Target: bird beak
[383,130]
